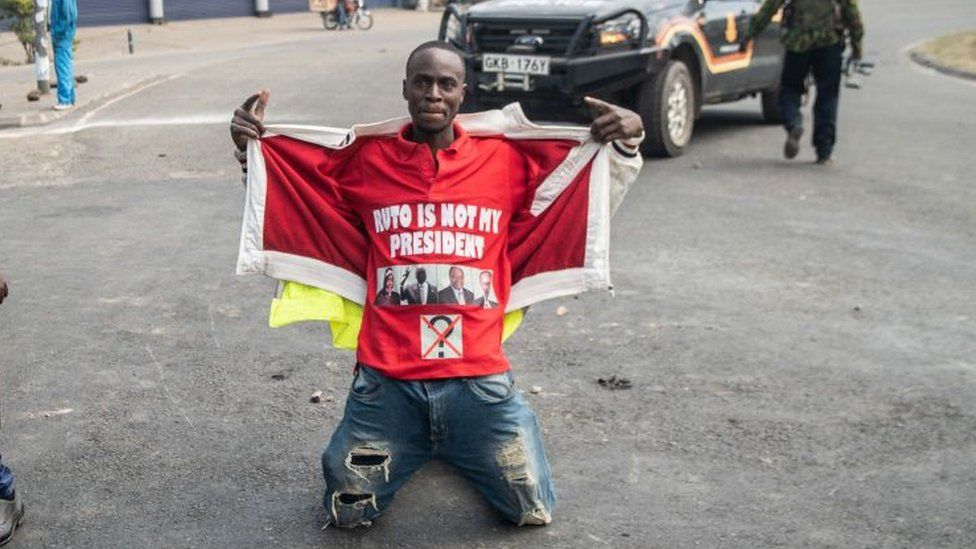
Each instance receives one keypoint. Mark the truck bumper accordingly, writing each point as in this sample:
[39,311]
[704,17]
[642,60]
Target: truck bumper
[558,96]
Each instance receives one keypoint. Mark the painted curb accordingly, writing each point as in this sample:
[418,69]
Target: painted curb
[28,119]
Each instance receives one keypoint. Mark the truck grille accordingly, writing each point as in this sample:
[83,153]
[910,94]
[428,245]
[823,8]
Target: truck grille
[499,36]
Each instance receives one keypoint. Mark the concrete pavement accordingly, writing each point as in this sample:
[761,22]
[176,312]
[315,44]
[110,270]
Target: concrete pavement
[800,340]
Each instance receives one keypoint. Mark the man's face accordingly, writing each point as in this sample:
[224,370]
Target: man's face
[457,278]
[388,282]
[434,89]
[486,282]
[421,276]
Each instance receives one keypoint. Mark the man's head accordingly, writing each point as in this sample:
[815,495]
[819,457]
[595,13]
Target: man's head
[457,278]
[421,275]
[434,85]
[388,280]
[485,279]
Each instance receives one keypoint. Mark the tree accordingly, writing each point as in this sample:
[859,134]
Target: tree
[21,16]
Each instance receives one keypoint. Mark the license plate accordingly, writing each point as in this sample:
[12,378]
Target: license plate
[515,64]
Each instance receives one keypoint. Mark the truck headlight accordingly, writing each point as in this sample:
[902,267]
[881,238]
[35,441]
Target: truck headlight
[452,31]
[619,30]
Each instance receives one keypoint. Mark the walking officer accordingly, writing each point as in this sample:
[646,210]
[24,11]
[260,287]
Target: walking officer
[814,38]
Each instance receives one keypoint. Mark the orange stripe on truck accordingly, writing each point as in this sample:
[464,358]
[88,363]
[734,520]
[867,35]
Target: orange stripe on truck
[716,63]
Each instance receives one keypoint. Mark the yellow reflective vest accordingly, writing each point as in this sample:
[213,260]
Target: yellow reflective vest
[296,302]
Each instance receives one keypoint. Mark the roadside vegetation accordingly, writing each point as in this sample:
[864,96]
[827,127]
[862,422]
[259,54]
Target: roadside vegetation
[955,51]
[17,16]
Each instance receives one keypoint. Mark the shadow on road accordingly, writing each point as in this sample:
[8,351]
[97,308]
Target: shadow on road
[720,122]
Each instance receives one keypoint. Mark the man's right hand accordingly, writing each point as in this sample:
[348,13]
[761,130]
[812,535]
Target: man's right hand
[3,289]
[248,122]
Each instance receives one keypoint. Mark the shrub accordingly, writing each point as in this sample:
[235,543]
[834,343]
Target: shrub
[20,14]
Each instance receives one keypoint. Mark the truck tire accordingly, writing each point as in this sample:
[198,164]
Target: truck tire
[666,104]
[771,112]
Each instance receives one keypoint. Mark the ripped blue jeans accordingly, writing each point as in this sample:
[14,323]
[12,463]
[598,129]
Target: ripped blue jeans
[6,481]
[480,425]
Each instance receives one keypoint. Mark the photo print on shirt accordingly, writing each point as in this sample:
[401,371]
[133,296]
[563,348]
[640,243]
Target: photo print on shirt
[428,284]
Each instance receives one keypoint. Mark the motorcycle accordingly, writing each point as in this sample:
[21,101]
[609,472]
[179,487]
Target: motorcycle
[357,15]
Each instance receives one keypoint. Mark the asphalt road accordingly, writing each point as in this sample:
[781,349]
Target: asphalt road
[800,340]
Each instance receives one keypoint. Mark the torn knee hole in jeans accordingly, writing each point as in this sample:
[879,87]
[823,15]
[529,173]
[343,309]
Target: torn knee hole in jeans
[349,509]
[367,461]
[351,499]
[514,462]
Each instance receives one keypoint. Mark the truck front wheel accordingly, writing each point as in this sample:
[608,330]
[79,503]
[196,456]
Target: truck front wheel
[667,107]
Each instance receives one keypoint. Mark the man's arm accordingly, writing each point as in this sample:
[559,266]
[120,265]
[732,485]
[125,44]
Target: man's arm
[851,16]
[625,130]
[624,169]
[3,289]
[761,20]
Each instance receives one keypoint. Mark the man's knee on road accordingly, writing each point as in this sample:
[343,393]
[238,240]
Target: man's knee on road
[513,459]
[353,481]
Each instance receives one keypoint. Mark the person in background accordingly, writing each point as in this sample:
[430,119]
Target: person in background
[11,507]
[814,38]
[343,14]
[64,18]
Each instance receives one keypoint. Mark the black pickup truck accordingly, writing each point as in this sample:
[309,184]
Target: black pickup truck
[662,58]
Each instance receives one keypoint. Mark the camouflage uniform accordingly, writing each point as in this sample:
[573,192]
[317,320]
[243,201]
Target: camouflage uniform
[814,39]
[814,23]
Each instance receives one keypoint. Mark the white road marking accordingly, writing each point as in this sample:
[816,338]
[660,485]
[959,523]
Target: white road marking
[86,123]
[88,116]
[202,119]
[213,325]
[46,413]
[191,120]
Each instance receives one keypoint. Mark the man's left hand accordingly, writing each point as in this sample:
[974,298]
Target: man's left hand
[611,122]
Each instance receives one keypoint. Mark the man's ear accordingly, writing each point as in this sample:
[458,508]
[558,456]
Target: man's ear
[464,92]
[404,90]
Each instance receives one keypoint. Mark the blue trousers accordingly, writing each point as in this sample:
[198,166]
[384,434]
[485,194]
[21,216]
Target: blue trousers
[64,67]
[826,64]
[6,481]
[480,425]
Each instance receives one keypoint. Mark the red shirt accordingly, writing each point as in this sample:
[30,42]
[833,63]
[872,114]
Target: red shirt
[448,218]
[509,215]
